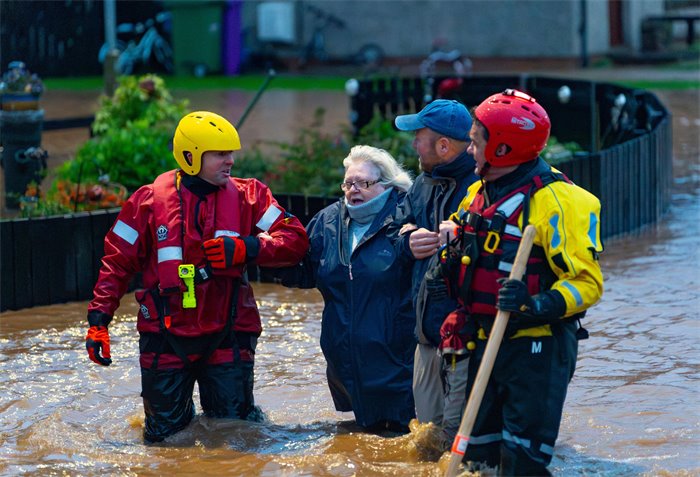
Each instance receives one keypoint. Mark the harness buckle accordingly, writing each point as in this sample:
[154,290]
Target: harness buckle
[492,240]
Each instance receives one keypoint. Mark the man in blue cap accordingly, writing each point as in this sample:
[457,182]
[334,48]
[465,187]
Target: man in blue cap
[441,140]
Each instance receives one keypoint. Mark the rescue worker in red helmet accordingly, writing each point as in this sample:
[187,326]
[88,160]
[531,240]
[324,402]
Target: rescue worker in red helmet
[192,232]
[518,421]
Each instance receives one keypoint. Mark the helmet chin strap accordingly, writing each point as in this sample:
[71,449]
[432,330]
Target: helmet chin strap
[484,170]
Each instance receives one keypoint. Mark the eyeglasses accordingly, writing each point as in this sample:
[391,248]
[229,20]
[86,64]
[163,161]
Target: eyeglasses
[359,185]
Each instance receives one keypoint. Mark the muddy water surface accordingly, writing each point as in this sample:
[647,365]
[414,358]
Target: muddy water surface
[632,409]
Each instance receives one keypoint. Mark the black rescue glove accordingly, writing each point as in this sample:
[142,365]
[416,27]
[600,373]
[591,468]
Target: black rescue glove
[545,307]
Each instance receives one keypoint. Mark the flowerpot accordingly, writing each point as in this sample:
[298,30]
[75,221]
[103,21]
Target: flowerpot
[19,102]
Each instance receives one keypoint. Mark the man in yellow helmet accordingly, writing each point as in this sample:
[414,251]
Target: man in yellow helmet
[518,421]
[192,233]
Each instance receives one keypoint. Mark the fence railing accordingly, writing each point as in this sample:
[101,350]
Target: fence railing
[626,134]
[628,165]
[56,259]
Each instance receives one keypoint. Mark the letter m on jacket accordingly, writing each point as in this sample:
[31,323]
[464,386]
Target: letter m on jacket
[536,347]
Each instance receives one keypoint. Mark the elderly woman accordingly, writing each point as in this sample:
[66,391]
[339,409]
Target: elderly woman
[367,332]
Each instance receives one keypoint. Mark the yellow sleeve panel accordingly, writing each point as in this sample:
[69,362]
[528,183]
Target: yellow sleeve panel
[567,219]
[466,202]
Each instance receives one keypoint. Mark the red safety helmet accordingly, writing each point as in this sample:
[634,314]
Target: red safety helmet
[515,119]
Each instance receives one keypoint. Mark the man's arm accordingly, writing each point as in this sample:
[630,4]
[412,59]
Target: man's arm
[126,245]
[568,228]
[282,238]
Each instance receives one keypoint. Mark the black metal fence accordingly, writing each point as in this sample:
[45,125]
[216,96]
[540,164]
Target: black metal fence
[628,165]
[51,260]
[62,38]
[626,134]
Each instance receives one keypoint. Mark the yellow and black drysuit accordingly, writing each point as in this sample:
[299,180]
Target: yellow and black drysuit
[518,422]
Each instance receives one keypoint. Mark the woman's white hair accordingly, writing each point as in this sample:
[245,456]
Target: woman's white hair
[391,173]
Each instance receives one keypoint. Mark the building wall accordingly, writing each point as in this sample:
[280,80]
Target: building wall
[479,28]
[633,12]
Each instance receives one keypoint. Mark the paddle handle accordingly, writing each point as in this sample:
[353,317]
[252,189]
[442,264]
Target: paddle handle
[461,441]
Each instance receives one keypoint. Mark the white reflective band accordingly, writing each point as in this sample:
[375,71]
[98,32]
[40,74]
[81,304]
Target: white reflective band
[225,233]
[508,207]
[126,232]
[513,230]
[268,218]
[505,266]
[169,253]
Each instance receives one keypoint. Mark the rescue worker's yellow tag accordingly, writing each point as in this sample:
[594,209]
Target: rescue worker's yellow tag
[186,272]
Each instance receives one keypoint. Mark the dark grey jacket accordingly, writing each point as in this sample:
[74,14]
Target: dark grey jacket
[431,199]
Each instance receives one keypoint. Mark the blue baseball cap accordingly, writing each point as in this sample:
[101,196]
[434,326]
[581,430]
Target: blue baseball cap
[444,116]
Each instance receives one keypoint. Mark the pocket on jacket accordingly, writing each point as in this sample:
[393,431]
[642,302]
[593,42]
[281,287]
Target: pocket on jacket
[148,307]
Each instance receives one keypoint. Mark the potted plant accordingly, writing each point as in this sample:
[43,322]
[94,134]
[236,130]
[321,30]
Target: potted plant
[21,124]
[20,89]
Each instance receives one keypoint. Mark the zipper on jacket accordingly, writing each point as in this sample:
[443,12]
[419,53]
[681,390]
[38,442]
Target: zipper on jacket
[350,269]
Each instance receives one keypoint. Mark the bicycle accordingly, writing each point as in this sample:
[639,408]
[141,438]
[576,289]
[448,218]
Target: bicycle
[143,44]
[459,64]
[369,55]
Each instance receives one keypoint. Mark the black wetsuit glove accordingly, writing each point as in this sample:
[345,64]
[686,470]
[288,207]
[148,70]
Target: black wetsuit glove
[545,307]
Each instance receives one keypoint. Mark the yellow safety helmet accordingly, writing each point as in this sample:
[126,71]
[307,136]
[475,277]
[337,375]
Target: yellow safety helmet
[199,132]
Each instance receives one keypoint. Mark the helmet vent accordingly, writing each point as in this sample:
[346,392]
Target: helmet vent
[217,127]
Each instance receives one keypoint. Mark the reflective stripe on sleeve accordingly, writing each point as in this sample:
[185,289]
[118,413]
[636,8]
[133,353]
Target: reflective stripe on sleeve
[268,218]
[126,232]
[226,233]
[574,292]
[593,229]
[169,253]
[556,238]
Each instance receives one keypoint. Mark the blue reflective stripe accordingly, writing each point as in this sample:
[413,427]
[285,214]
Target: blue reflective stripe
[547,449]
[556,238]
[485,439]
[593,229]
[126,232]
[574,292]
[507,436]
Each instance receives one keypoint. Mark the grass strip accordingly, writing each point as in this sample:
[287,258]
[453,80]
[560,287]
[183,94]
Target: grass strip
[244,82]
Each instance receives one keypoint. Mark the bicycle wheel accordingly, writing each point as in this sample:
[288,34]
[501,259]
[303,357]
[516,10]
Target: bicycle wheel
[164,54]
[125,62]
[119,46]
[370,55]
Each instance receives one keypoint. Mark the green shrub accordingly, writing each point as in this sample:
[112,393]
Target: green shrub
[557,152]
[132,133]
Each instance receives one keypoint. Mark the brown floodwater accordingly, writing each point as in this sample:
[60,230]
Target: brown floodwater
[632,407]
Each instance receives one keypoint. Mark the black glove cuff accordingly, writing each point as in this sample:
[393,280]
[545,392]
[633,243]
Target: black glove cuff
[549,305]
[252,247]
[97,318]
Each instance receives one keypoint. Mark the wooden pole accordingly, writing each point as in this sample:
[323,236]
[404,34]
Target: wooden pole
[459,446]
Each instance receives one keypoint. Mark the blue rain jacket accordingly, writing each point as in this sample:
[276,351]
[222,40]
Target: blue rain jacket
[367,333]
